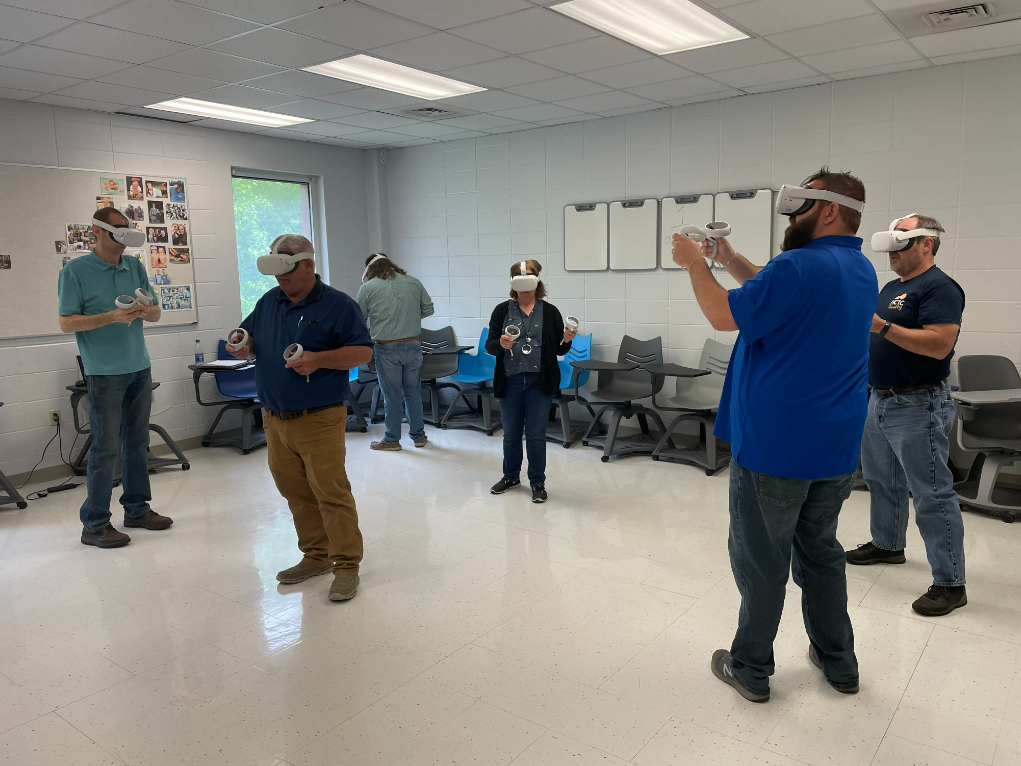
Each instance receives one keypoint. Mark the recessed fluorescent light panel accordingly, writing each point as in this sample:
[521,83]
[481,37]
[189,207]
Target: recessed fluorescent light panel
[659,26]
[226,112]
[385,75]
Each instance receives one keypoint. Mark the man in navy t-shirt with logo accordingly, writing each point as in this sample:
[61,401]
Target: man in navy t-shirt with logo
[793,407]
[907,435]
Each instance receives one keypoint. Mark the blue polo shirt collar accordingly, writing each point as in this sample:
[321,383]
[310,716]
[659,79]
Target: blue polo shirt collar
[836,240]
[314,296]
[121,266]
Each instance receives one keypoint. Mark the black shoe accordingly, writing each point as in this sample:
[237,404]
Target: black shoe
[870,554]
[940,600]
[107,537]
[504,484]
[720,665]
[814,657]
[539,493]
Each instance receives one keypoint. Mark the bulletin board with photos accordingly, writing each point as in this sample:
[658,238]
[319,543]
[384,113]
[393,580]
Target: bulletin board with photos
[45,222]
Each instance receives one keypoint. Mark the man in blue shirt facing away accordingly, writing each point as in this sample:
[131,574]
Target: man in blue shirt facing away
[117,372]
[305,412]
[793,408]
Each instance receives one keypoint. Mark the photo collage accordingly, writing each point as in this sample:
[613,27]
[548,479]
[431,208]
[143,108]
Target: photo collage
[157,206]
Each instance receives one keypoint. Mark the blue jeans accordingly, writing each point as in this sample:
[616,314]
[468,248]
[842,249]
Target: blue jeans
[905,449]
[119,421]
[399,367]
[789,525]
[525,408]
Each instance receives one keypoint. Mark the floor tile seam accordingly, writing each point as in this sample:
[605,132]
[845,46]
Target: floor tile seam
[911,742]
[674,720]
[932,621]
[298,751]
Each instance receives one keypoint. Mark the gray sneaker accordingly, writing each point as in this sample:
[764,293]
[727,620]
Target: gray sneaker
[344,587]
[813,656]
[422,441]
[385,446]
[720,665]
[301,572]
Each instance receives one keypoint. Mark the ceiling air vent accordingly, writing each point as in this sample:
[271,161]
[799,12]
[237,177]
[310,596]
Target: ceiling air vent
[933,18]
[951,17]
[444,112]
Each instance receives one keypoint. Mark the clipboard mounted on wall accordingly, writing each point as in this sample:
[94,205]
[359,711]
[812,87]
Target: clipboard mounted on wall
[586,244]
[634,234]
[675,212]
[750,214]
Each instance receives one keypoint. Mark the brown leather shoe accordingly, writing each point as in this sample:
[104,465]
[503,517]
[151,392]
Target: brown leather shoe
[148,520]
[302,571]
[107,537]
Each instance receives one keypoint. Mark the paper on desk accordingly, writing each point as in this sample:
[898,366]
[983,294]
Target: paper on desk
[224,364]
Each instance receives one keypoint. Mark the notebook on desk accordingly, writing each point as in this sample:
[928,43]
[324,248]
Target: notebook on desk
[224,364]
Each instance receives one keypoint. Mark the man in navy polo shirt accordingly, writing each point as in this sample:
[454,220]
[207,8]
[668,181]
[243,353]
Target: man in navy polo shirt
[304,403]
[793,409]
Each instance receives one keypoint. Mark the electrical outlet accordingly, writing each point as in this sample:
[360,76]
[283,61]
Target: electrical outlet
[54,417]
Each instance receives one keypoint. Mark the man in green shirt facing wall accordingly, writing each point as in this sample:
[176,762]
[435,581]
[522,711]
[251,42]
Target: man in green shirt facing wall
[394,305]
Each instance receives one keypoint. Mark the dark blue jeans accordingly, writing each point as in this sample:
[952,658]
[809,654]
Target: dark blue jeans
[525,408]
[399,369]
[779,525]
[119,421]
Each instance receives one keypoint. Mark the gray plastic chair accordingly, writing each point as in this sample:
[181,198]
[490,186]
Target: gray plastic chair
[437,366]
[993,433]
[618,390]
[698,400]
[10,493]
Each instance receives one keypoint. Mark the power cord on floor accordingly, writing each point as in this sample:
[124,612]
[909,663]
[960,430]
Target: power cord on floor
[64,485]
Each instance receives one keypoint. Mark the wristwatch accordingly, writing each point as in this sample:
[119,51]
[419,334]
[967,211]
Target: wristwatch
[885,329]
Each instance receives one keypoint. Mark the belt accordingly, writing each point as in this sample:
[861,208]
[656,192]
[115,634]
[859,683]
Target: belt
[399,340]
[908,389]
[292,414]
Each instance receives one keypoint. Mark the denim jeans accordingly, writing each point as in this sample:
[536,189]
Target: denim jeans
[905,448]
[525,408]
[778,526]
[119,422]
[399,367]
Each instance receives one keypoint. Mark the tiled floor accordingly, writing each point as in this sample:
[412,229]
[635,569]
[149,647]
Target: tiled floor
[487,630]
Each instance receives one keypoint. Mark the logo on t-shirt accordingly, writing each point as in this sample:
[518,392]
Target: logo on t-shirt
[898,302]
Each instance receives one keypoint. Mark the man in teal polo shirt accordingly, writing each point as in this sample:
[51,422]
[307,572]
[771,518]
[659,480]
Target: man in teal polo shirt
[112,348]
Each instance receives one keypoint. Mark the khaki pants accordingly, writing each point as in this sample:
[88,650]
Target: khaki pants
[306,458]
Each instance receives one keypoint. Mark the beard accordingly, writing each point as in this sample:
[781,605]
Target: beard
[799,233]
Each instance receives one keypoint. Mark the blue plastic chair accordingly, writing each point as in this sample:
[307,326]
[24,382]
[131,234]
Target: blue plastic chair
[568,433]
[239,388]
[475,373]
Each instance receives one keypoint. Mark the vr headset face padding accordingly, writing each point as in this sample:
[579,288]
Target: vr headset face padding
[277,262]
[524,283]
[123,236]
[798,200]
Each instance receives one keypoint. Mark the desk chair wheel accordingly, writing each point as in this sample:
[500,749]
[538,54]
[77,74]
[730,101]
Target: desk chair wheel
[22,506]
[584,444]
[444,427]
[185,466]
[489,433]
[205,444]
[605,458]
[566,446]
[710,472]
[656,458]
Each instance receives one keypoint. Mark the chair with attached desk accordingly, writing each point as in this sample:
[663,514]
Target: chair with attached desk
[239,386]
[475,373]
[989,410]
[440,354]
[566,433]
[697,398]
[10,492]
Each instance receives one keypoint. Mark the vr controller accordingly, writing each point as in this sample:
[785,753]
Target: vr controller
[141,297]
[572,323]
[236,343]
[711,231]
[292,352]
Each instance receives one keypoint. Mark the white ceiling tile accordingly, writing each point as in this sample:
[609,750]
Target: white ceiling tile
[263,11]
[238,127]
[487,101]
[886,69]
[637,73]
[67,63]
[539,112]
[160,80]
[437,52]
[485,122]
[203,62]
[428,130]
[717,95]
[278,46]
[377,121]
[977,55]
[301,84]
[241,95]
[356,26]
[326,129]
[975,39]
[626,110]
[115,94]
[444,14]
[790,69]
[501,73]
[680,88]
[526,31]
[370,98]
[347,142]
[315,110]
[380,137]
[558,89]
[24,26]
[6,45]
[894,5]
[133,48]
[767,17]
[787,84]
[17,94]
[715,58]
[72,9]
[879,54]
[586,55]
[37,81]
[603,102]
[465,134]
[291,135]
[79,103]
[836,35]
[172,20]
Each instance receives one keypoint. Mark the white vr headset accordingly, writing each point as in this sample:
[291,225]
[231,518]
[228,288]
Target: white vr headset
[798,200]
[375,258]
[127,236]
[894,240]
[524,283]
[277,262]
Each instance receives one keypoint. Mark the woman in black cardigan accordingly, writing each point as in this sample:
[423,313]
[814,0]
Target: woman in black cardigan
[527,374]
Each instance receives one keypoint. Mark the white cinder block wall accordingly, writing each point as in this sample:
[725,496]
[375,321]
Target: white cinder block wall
[34,371]
[945,141]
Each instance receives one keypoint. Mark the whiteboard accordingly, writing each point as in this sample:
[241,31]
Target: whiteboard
[45,216]
[634,234]
[585,237]
[750,215]
[675,212]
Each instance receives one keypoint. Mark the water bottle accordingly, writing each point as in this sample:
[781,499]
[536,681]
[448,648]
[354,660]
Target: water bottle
[199,356]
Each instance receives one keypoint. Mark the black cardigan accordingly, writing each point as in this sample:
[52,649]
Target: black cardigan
[552,346]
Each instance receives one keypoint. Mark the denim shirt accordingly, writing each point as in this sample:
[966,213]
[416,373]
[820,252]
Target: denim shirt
[515,360]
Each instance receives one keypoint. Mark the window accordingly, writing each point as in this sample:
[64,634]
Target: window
[263,210]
